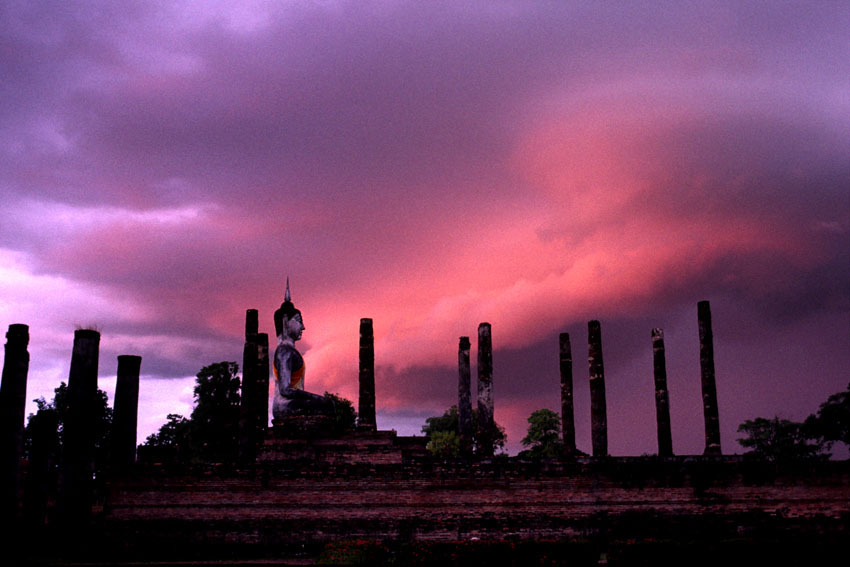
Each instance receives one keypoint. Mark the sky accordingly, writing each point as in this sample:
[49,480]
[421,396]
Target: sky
[433,165]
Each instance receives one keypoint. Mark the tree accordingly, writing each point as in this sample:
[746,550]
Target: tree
[345,417]
[172,443]
[778,440]
[444,444]
[831,423]
[214,427]
[449,445]
[102,422]
[543,438]
[210,434]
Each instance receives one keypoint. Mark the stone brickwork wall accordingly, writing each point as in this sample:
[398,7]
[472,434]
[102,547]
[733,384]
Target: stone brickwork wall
[279,505]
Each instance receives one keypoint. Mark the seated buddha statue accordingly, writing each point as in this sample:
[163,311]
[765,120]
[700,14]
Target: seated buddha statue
[290,397]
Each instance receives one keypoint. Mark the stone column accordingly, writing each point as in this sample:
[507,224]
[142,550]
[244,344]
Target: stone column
[252,322]
[485,391]
[598,410]
[709,388]
[568,427]
[262,388]
[366,407]
[126,411]
[41,483]
[464,405]
[248,403]
[662,400]
[13,394]
[78,436]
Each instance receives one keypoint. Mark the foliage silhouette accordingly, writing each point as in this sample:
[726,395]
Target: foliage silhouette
[544,435]
[778,440]
[831,423]
[59,405]
[345,416]
[447,443]
[210,434]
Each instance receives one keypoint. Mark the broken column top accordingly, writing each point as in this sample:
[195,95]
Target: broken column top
[129,360]
[464,343]
[485,356]
[87,334]
[252,322]
[18,333]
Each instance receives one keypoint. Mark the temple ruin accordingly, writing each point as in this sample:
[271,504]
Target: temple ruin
[299,489]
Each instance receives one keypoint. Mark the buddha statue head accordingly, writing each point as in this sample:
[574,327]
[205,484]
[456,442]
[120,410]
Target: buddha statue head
[288,322]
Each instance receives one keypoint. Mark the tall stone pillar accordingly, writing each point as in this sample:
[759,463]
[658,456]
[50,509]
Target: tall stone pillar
[248,404]
[598,409]
[709,388]
[366,407]
[464,405]
[262,381]
[13,394]
[125,411]
[252,322]
[78,433]
[41,482]
[662,399]
[568,427]
[485,391]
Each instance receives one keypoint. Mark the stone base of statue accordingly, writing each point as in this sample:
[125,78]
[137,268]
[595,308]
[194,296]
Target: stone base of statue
[285,446]
[304,426]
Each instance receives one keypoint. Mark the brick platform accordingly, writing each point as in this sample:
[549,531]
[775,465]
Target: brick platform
[283,503]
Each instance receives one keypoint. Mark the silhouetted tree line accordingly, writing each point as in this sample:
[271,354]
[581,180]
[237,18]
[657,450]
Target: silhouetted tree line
[775,440]
[781,440]
[208,435]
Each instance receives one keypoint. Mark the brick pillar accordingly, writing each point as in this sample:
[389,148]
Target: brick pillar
[598,410]
[126,411]
[485,391]
[464,405]
[78,451]
[366,407]
[662,399]
[247,405]
[568,427]
[13,394]
[709,388]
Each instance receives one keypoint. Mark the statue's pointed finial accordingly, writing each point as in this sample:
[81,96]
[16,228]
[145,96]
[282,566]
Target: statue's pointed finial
[287,297]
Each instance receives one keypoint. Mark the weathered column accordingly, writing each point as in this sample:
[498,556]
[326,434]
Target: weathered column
[40,484]
[464,405]
[709,389]
[662,399]
[13,394]
[252,322]
[125,411]
[78,432]
[248,403]
[366,406]
[598,410]
[485,391]
[262,387]
[568,427]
